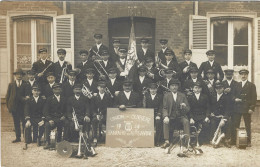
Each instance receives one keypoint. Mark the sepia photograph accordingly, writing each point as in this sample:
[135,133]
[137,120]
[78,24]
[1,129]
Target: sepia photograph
[130,83]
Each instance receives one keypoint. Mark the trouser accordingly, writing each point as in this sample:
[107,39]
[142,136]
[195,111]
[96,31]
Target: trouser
[247,120]
[168,129]
[97,126]
[214,123]
[59,124]
[73,134]
[18,117]
[158,130]
[204,133]
[37,131]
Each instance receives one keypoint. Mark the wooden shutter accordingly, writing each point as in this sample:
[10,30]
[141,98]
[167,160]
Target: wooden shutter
[256,63]
[4,56]
[64,36]
[199,37]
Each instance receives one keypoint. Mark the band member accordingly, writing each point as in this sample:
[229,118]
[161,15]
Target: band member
[31,81]
[15,98]
[84,64]
[114,52]
[141,82]
[186,65]
[188,84]
[200,112]
[245,102]
[152,71]
[121,62]
[42,66]
[113,83]
[127,97]
[55,114]
[95,51]
[170,63]
[230,86]
[144,51]
[210,82]
[47,88]
[90,82]
[164,84]
[67,87]
[164,46]
[61,67]
[220,114]
[175,110]
[81,107]
[33,113]
[211,64]
[155,101]
[104,65]
[101,101]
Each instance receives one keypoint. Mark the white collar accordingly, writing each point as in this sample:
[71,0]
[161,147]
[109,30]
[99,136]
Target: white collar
[84,62]
[163,50]
[98,45]
[61,62]
[211,62]
[36,98]
[101,95]
[219,95]
[19,82]
[243,83]
[197,95]
[229,81]
[44,61]
[71,82]
[153,96]
[188,62]
[77,97]
[127,94]
[211,80]
[194,80]
[112,80]
[122,61]
[58,97]
[174,96]
[90,81]
[51,84]
[144,49]
[31,82]
[105,62]
[168,80]
[141,78]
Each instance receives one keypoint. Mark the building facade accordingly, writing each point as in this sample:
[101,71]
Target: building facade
[230,28]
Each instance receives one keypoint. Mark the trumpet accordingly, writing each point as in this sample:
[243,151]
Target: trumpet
[162,72]
[63,73]
[75,119]
[108,92]
[86,91]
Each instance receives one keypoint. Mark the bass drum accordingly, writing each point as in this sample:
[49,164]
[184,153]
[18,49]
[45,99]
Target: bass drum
[64,149]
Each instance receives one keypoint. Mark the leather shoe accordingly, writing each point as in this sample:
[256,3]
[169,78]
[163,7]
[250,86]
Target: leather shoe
[38,142]
[16,140]
[165,145]
[25,147]
[48,146]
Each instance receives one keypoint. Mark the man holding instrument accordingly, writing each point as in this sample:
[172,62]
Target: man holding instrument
[42,66]
[96,50]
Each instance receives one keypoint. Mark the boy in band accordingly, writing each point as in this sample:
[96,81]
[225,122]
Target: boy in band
[90,82]
[211,64]
[100,102]
[106,63]
[174,113]
[97,48]
[33,113]
[170,63]
[67,87]
[47,88]
[55,113]
[169,74]
[114,52]
[210,82]
[164,46]
[84,64]
[245,102]
[200,112]
[121,63]
[144,51]
[152,71]
[155,101]
[31,81]
[113,83]
[141,82]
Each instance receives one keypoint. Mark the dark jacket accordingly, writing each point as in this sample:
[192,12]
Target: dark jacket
[28,91]
[100,106]
[82,76]
[156,103]
[54,110]
[220,107]
[133,102]
[57,70]
[138,86]
[47,90]
[186,76]
[101,48]
[93,87]
[34,110]
[67,89]
[38,67]
[161,55]
[188,86]
[205,66]
[141,56]
[174,66]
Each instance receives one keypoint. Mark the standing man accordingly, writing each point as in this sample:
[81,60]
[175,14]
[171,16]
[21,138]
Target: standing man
[170,63]
[211,64]
[114,52]
[95,51]
[42,66]
[31,81]
[144,51]
[121,63]
[164,46]
[245,102]
[175,110]
[15,98]
[84,64]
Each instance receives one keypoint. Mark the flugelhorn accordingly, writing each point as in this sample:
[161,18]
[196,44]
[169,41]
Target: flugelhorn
[86,91]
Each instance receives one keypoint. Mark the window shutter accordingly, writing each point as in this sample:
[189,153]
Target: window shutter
[64,36]
[4,56]
[257,57]
[199,37]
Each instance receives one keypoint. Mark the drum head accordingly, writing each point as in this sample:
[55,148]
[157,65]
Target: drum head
[64,149]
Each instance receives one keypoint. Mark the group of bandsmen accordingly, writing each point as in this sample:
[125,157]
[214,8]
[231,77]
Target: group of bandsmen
[181,94]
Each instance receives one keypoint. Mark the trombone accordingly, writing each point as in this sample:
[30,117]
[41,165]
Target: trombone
[98,61]
[162,72]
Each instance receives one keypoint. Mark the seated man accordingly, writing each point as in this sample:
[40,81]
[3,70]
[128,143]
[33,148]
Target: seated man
[127,97]
[219,116]
[33,113]
[175,110]
[200,112]
[54,112]
[101,101]
[155,101]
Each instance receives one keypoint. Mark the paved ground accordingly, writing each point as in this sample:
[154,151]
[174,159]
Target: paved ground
[12,155]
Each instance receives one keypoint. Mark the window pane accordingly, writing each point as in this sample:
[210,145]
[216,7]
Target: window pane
[221,55]
[43,30]
[24,56]
[220,33]
[23,31]
[240,32]
[240,55]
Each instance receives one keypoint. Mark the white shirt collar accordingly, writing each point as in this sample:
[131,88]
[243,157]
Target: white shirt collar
[127,94]
[32,82]
[194,80]
[168,62]
[98,45]
[188,62]
[77,97]
[197,95]
[51,84]
[44,61]
[211,62]
[141,78]
[101,95]
[153,96]
[90,81]
[218,96]
[229,82]
[36,99]
[243,83]
[71,82]
[174,96]
[163,50]
[112,81]
[122,61]
[144,50]
[84,62]
[211,81]
[168,80]
[61,62]
[58,97]
[105,62]
[18,83]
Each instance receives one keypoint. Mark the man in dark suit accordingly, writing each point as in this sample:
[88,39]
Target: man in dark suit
[175,110]
[186,65]
[95,51]
[100,102]
[220,114]
[121,63]
[245,102]
[90,82]
[170,63]
[127,97]
[211,64]
[144,51]
[141,82]
[164,46]
[84,64]
[114,51]
[230,86]
[210,82]
[33,113]
[199,112]
[42,66]
[15,98]
[152,71]
[47,88]
[155,101]
[55,114]
[113,83]
[31,81]
[61,67]
[67,87]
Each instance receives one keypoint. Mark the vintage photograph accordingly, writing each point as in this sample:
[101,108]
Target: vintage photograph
[130,83]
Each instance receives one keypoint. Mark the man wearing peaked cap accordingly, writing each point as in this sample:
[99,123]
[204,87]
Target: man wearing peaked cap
[121,63]
[31,82]
[152,71]
[47,88]
[97,48]
[90,82]
[68,86]
[144,51]
[114,51]
[106,64]
[170,63]
[113,82]
[211,63]
[245,102]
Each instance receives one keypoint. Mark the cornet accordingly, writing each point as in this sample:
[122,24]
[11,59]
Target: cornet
[75,120]
[86,91]
[162,72]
